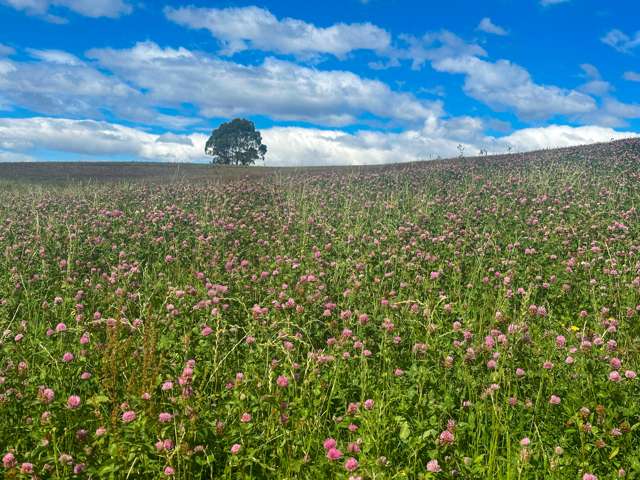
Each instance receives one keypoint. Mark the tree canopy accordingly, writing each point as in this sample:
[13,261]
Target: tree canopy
[235,143]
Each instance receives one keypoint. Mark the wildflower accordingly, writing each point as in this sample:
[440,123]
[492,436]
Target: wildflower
[589,476]
[128,416]
[368,404]
[433,466]
[246,417]
[446,437]
[554,400]
[235,448]
[168,471]
[47,395]
[630,374]
[165,417]
[614,376]
[73,401]
[26,468]
[329,443]
[206,331]
[9,460]
[168,385]
[334,454]
[351,464]
[282,381]
[525,442]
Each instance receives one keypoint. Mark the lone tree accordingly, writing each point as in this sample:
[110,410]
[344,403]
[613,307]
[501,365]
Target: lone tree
[235,143]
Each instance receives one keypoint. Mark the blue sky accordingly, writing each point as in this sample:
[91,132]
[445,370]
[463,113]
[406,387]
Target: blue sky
[351,82]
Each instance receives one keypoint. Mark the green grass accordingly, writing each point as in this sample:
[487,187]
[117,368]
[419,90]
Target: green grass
[395,286]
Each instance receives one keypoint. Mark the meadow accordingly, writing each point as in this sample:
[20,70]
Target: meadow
[472,318]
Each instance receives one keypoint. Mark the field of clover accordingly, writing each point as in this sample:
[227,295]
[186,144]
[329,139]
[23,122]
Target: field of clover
[472,319]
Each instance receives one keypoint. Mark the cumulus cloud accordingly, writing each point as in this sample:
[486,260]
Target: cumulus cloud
[436,46]
[257,28]
[87,8]
[15,157]
[632,76]
[59,57]
[595,85]
[556,136]
[95,138]
[621,41]
[610,111]
[487,26]
[288,146]
[279,89]
[6,50]
[504,85]
[55,82]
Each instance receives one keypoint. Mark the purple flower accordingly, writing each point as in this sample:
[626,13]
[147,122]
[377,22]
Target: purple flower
[9,460]
[282,381]
[351,464]
[128,416]
[334,454]
[73,401]
[165,417]
[329,443]
[433,466]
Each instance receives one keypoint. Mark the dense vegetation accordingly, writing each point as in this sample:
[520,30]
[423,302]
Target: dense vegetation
[467,319]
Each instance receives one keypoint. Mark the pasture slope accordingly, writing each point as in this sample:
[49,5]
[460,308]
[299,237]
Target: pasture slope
[473,318]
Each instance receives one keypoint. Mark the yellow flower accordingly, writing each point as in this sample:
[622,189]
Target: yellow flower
[574,328]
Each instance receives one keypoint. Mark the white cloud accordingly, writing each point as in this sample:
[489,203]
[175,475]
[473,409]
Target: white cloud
[58,83]
[632,76]
[556,136]
[287,146]
[610,111]
[504,85]
[621,41]
[279,89]
[15,157]
[6,50]
[87,8]
[435,46]
[595,85]
[55,56]
[94,138]
[257,28]
[487,26]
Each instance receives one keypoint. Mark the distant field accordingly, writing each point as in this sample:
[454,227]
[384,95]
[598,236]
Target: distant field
[65,172]
[460,319]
